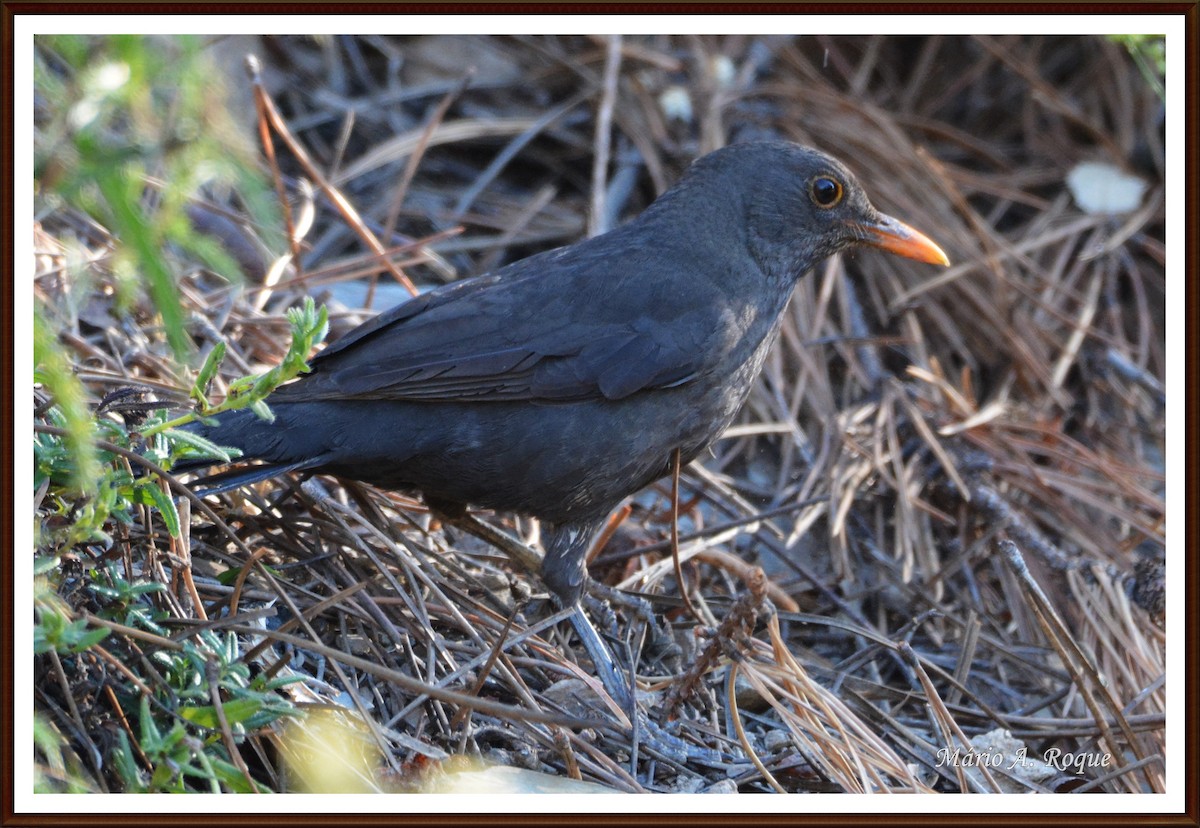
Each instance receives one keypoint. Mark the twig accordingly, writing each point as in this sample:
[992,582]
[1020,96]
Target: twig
[504,711]
[341,202]
[603,138]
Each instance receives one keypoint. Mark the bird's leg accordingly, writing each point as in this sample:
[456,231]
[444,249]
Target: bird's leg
[564,569]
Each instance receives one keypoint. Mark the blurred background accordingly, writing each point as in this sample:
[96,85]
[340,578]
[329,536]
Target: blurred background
[953,482]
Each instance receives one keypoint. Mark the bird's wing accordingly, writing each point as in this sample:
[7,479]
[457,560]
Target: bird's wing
[489,339]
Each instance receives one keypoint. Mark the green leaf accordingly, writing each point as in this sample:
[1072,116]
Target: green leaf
[263,411]
[203,446]
[121,187]
[150,735]
[207,371]
[90,639]
[233,779]
[150,494]
[127,768]
[51,363]
[236,711]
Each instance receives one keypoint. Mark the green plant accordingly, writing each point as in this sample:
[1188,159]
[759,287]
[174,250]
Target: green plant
[189,704]
[175,754]
[53,628]
[135,128]
[308,323]
[80,502]
[55,772]
[1149,52]
[182,735]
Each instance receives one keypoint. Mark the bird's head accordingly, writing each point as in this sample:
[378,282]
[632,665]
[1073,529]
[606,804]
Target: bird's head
[801,206]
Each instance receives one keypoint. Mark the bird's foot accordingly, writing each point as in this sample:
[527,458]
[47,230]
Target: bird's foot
[660,643]
[599,596]
[666,746]
[647,734]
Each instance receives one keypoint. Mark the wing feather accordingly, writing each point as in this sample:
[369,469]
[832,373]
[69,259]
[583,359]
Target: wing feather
[500,338]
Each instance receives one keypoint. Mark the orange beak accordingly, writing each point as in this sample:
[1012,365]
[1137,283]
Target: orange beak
[895,236]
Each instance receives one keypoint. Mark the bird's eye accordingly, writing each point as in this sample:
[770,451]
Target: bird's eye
[825,191]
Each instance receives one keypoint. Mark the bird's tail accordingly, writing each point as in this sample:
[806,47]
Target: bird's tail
[256,438]
[236,477]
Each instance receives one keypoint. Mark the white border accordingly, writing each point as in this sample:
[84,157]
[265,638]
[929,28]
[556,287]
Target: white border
[25,26]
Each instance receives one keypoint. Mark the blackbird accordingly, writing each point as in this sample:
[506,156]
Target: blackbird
[564,382]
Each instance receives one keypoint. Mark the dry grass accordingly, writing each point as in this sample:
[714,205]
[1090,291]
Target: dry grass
[951,484]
